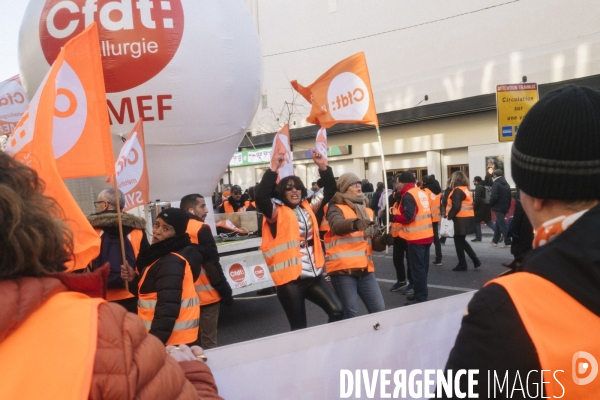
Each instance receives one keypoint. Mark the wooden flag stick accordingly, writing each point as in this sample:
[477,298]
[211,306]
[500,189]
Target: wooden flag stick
[122,240]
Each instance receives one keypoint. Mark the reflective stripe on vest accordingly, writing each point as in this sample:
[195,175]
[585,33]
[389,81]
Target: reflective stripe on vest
[206,293]
[69,348]
[186,325]
[421,227]
[466,207]
[395,227]
[434,202]
[561,329]
[351,251]
[282,253]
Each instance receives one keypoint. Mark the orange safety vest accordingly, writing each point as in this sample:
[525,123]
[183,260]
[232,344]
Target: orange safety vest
[229,208]
[135,237]
[64,365]
[421,227]
[282,253]
[351,251]
[395,227]
[324,227]
[561,329]
[434,202]
[466,207]
[206,293]
[186,325]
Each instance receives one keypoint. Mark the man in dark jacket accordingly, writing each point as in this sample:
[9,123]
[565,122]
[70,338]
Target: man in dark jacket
[237,202]
[481,208]
[537,321]
[376,197]
[500,204]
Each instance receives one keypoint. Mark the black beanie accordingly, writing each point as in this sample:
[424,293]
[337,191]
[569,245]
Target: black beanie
[406,177]
[175,217]
[556,154]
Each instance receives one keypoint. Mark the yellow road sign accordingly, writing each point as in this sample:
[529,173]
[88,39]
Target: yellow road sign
[512,103]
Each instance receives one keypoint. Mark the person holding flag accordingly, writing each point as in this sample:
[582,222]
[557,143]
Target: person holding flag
[290,240]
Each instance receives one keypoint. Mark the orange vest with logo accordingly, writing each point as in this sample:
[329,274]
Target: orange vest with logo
[63,365]
[229,208]
[434,203]
[351,251]
[186,325]
[282,253]
[206,293]
[561,330]
[135,237]
[421,227]
[324,227]
[466,207]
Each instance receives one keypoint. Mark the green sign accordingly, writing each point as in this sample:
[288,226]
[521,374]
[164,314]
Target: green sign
[251,157]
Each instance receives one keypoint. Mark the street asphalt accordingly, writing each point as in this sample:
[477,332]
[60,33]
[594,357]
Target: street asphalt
[253,317]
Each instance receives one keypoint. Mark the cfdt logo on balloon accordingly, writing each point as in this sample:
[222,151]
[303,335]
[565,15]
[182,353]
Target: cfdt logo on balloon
[138,38]
[348,97]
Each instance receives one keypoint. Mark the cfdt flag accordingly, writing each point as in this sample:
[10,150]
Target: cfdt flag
[32,143]
[12,104]
[281,154]
[321,142]
[132,172]
[341,95]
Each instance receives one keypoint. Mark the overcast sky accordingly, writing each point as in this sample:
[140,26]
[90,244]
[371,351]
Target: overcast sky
[10,21]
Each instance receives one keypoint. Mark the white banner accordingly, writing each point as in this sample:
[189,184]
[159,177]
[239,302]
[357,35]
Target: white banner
[307,364]
[12,104]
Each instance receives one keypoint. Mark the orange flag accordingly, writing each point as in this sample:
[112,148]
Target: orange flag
[31,143]
[282,149]
[81,134]
[132,171]
[321,142]
[341,95]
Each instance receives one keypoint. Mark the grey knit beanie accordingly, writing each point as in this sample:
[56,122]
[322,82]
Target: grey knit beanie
[345,180]
[556,154]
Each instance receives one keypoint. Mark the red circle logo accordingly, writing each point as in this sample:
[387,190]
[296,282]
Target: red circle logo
[259,272]
[237,273]
[138,38]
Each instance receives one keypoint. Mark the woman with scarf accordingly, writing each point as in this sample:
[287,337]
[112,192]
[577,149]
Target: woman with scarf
[166,272]
[290,242]
[349,247]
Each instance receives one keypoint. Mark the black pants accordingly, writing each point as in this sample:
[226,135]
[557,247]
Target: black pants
[463,246]
[400,251]
[436,241]
[129,304]
[317,290]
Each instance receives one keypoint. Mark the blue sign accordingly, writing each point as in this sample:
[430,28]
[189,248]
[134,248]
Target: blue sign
[507,131]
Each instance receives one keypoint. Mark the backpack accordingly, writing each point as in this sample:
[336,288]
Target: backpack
[488,194]
[110,251]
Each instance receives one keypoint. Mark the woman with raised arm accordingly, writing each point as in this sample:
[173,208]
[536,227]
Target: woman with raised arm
[290,242]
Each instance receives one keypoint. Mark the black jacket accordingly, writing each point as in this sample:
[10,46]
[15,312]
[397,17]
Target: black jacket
[482,210]
[500,198]
[235,204]
[212,264]
[375,200]
[493,337]
[165,278]
[521,231]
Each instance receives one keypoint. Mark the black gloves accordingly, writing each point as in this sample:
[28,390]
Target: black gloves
[387,238]
[362,224]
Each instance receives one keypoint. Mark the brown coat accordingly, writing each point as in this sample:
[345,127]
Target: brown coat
[341,226]
[129,362]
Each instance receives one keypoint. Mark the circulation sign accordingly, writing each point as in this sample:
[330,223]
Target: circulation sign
[512,103]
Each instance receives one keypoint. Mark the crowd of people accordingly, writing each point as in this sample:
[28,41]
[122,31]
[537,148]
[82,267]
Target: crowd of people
[318,245]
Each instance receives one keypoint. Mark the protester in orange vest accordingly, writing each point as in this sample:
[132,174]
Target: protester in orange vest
[432,189]
[91,348]
[211,286]
[546,317]
[460,211]
[237,202]
[106,224]
[349,246]
[166,272]
[290,243]
[400,247]
[417,229]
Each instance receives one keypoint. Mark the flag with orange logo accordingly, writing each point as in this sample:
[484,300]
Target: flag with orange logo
[132,171]
[282,150]
[81,130]
[341,95]
[32,142]
[321,142]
